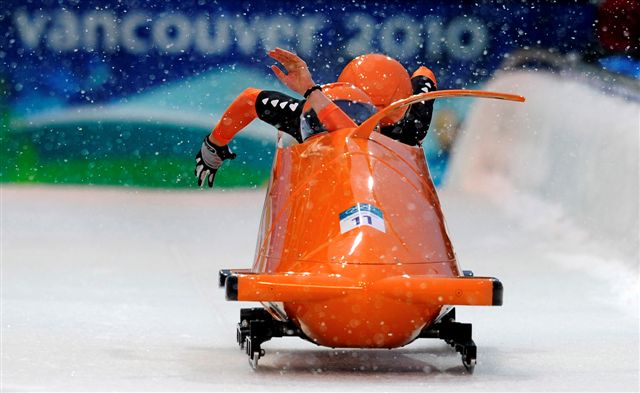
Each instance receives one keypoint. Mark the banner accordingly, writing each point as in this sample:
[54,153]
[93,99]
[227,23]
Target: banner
[123,92]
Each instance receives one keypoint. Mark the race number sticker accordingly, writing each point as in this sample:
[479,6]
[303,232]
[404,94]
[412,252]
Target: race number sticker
[359,215]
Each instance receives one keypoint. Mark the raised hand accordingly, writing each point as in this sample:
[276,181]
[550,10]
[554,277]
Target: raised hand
[298,78]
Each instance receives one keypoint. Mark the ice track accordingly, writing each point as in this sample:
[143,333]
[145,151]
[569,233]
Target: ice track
[116,289]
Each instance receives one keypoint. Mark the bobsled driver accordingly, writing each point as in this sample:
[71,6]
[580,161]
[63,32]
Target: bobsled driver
[367,83]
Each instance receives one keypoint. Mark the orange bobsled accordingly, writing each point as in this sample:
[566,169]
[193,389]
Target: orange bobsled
[353,249]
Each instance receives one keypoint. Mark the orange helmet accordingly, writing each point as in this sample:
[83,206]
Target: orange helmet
[353,101]
[384,79]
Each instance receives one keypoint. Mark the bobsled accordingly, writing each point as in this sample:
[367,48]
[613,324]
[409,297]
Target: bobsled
[353,251]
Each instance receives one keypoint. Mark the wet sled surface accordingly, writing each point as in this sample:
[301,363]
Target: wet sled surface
[117,290]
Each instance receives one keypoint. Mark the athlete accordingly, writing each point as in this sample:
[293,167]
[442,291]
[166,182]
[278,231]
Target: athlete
[284,112]
[383,78]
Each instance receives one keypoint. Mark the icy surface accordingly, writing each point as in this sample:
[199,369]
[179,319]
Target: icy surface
[107,289]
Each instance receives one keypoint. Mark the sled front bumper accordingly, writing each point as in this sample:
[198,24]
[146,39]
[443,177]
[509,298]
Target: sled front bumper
[242,285]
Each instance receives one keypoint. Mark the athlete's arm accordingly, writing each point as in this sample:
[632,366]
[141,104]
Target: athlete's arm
[423,77]
[238,115]
[281,111]
[330,115]
[413,127]
[277,109]
[298,78]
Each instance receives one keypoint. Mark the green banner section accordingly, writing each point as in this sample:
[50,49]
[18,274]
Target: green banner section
[146,140]
[124,154]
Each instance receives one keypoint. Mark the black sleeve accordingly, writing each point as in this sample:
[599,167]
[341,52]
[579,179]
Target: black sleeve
[413,127]
[281,111]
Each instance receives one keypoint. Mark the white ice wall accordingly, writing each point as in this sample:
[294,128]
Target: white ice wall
[566,160]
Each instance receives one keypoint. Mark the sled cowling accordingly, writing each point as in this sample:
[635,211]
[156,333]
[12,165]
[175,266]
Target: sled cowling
[380,285]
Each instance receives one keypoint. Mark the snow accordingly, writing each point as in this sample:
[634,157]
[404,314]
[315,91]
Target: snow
[116,289]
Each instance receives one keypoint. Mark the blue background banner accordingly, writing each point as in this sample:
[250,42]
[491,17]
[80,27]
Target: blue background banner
[99,82]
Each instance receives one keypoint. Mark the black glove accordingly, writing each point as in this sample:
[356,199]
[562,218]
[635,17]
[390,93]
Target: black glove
[209,159]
